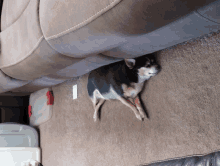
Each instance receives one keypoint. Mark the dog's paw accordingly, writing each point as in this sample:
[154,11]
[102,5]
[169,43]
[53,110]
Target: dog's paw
[95,118]
[139,117]
[142,113]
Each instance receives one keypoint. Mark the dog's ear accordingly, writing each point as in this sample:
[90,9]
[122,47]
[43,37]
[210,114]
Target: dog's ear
[130,63]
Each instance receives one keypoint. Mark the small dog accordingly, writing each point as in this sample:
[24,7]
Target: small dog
[123,81]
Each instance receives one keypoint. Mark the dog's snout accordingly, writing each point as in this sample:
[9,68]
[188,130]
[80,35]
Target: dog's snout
[158,68]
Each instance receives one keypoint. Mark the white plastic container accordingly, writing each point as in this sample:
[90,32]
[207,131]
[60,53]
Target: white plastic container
[41,107]
[18,145]
[19,156]
[18,135]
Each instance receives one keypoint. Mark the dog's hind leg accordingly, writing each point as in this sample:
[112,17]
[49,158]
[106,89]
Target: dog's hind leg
[139,107]
[97,107]
[130,105]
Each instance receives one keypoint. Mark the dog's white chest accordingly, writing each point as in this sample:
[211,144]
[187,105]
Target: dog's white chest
[133,90]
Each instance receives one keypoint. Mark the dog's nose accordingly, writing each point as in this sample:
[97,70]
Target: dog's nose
[158,68]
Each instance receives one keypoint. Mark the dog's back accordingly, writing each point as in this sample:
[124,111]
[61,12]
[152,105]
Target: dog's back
[110,76]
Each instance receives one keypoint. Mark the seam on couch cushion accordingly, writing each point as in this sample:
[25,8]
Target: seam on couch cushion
[88,20]
[7,12]
[42,61]
[6,17]
[26,56]
[8,83]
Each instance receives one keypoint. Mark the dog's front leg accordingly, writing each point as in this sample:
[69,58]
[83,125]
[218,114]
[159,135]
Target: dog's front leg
[130,105]
[97,107]
[139,107]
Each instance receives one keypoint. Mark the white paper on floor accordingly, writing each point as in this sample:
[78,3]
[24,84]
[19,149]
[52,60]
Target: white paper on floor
[74,91]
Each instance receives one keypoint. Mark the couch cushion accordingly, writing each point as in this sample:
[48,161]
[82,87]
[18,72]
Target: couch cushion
[7,83]
[84,66]
[11,11]
[37,84]
[184,29]
[78,28]
[212,159]
[25,53]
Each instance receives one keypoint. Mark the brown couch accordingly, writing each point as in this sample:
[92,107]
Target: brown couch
[44,43]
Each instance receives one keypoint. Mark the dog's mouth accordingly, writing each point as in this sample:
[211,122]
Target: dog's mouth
[153,73]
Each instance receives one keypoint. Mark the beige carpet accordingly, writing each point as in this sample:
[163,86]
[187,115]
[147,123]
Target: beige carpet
[183,104]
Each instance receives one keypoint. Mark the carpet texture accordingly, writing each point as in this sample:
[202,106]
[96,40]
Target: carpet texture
[182,101]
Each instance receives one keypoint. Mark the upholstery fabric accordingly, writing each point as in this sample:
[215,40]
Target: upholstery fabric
[84,66]
[11,11]
[7,83]
[25,54]
[37,84]
[186,28]
[212,159]
[96,26]
[62,39]
[211,11]
[75,70]
[42,61]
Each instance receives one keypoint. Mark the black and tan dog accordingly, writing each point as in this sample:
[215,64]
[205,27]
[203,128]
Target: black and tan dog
[123,81]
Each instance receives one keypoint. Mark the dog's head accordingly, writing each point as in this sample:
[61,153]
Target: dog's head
[145,66]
